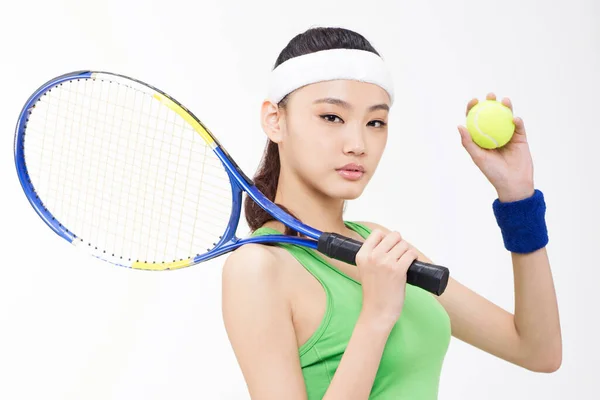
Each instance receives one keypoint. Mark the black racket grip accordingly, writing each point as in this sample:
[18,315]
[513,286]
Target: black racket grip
[430,277]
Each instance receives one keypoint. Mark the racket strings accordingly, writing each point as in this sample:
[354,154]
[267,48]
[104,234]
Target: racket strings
[72,113]
[124,173]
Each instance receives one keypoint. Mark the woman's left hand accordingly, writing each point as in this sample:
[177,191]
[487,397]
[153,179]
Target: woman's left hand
[508,168]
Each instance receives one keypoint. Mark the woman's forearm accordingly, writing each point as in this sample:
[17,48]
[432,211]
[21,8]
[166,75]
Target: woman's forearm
[536,310]
[356,372]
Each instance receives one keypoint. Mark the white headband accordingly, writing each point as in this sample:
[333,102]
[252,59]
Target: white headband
[328,65]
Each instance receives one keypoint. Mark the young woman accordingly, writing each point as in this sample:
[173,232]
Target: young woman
[306,326]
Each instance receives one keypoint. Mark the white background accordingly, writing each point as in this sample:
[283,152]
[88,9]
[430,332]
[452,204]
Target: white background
[73,327]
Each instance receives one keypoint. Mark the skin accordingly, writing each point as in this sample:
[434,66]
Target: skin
[272,305]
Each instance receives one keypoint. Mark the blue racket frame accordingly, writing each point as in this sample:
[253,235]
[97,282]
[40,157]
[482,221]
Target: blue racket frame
[239,184]
[20,164]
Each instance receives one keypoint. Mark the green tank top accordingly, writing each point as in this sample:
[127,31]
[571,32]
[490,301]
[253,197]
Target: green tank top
[413,355]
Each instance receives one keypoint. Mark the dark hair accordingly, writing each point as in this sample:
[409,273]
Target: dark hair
[266,178]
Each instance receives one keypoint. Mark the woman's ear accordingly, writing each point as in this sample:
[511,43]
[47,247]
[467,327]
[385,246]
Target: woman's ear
[272,121]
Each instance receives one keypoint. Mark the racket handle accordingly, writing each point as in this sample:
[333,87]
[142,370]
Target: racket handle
[430,277]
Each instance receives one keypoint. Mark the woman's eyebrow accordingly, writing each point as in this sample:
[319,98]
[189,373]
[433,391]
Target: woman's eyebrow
[345,104]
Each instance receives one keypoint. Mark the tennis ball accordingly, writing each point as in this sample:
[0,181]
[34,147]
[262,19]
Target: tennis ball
[490,124]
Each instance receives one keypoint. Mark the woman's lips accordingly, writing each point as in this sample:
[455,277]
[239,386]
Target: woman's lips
[351,172]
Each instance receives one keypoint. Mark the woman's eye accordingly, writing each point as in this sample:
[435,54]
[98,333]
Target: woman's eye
[330,117]
[381,123]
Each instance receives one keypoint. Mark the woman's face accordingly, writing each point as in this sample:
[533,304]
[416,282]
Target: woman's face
[333,135]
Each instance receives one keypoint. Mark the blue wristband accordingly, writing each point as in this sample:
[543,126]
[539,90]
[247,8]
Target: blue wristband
[522,223]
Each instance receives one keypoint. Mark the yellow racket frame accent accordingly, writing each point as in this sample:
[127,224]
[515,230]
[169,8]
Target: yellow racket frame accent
[162,266]
[188,118]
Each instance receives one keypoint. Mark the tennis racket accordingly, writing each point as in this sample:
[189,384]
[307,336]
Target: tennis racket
[120,169]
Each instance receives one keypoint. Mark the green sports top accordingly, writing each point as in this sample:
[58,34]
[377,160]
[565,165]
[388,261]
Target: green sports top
[413,355]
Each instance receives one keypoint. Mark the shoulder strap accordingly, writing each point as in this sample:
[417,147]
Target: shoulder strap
[359,228]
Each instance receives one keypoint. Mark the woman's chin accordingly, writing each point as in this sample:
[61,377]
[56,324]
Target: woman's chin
[347,191]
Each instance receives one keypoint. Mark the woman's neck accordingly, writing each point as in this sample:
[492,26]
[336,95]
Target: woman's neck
[310,206]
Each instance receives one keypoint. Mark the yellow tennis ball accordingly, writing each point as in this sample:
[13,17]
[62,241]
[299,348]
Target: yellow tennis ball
[490,124]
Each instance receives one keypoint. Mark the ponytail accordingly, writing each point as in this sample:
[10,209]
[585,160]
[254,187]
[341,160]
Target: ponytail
[266,180]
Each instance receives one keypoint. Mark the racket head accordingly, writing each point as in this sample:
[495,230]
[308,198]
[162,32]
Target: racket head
[56,114]
[59,130]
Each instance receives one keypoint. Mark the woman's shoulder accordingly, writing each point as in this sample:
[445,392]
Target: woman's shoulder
[251,281]
[250,262]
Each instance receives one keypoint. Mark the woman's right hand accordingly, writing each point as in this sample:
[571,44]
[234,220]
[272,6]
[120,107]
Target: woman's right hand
[382,262]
